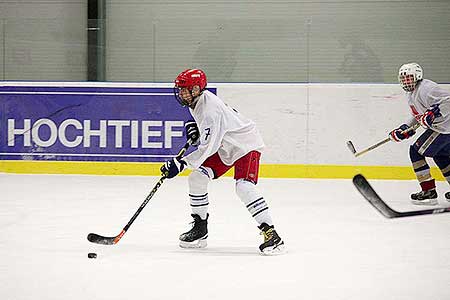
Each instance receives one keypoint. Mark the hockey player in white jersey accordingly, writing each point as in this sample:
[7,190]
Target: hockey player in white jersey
[430,107]
[225,139]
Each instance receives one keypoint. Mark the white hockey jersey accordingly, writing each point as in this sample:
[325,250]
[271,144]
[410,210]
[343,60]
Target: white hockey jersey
[426,94]
[222,130]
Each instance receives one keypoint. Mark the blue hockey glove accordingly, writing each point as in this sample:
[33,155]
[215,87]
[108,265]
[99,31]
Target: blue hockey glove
[173,167]
[192,132]
[427,119]
[401,133]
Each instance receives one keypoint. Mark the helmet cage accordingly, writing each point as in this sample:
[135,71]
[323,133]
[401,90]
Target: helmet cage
[407,81]
[176,92]
[409,75]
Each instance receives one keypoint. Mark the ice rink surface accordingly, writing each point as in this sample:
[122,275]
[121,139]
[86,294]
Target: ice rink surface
[339,247]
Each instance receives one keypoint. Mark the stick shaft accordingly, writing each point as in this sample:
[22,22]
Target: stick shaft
[98,239]
[372,147]
[150,195]
[414,127]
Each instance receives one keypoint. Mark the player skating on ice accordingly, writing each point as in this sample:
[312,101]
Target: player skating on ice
[225,139]
[430,107]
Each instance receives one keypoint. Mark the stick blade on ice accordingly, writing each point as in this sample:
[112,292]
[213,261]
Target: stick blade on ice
[363,186]
[98,239]
[374,199]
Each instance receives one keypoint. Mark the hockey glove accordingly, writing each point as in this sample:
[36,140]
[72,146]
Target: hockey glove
[427,119]
[192,132]
[401,133]
[172,167]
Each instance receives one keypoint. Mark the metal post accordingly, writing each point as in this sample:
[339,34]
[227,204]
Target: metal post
[154,51]
[4,49]
[96,40]
[308,79]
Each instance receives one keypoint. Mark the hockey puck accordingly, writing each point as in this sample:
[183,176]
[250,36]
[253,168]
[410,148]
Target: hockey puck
[92,255]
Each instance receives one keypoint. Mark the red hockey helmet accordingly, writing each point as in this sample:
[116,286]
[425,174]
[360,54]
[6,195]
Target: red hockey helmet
[188,79]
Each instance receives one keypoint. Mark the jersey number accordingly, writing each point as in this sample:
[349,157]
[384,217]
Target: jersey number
[207,133]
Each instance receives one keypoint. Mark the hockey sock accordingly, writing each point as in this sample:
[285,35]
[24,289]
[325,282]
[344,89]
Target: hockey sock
[421,167]
[428,185]
[198,191]
[443,162]
[254,201]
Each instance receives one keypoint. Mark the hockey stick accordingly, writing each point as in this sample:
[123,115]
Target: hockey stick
[353,149]
[369,193]
[99,239]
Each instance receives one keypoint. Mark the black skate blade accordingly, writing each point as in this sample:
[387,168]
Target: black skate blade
[102,240]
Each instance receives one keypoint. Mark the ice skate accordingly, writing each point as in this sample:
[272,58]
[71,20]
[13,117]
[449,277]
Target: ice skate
[273,244]
[428,197]
[196,237]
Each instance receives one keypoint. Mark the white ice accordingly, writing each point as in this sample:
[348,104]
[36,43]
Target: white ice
[339,247]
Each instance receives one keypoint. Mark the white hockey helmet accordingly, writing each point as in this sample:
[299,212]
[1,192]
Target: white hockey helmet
[409,75]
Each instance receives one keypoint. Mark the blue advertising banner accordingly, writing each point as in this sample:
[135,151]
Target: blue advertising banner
[90,123]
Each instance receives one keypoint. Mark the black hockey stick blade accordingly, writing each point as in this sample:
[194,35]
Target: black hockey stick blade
[351,147]
[102,240]
[363,186]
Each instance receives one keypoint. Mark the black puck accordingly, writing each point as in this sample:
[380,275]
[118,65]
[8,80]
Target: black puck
[92,255]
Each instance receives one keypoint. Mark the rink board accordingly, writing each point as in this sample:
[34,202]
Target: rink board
[131,128]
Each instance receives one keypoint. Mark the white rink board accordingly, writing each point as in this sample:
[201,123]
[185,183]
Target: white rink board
[310,123]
